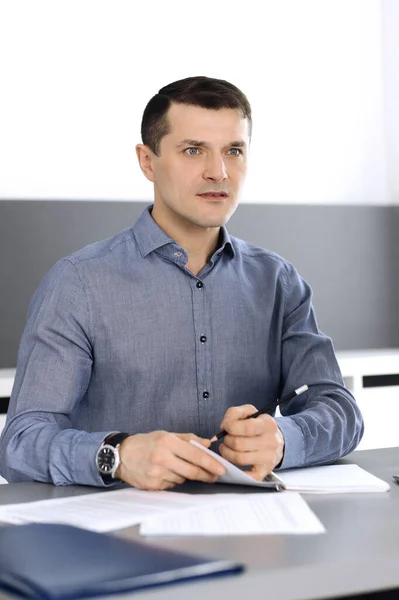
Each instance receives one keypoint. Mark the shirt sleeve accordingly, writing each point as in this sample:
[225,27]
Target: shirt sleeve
[324,423]
[53,371]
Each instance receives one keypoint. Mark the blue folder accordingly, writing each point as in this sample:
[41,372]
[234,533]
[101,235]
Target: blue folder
[61,562]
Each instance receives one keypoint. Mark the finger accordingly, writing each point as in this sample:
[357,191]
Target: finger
[165,484]
[191,471]
[245,459]
[270,438]
[187,437]
[174,479]
[197,458]
[262,425]
[157,480]
[245,443]
[259,472]
[235,413]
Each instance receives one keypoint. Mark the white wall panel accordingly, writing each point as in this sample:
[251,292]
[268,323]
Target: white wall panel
[75,76]
[391,93]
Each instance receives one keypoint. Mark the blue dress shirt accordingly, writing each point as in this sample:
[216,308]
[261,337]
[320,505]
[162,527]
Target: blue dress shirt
[121,336]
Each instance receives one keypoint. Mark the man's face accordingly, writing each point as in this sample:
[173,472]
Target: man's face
[201,166]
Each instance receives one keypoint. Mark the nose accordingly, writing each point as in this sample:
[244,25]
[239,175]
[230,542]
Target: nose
[215,169]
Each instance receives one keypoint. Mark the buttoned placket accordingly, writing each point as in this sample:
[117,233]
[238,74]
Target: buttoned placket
[203,353]
[202,330]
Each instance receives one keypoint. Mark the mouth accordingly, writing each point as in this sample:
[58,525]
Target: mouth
[214,195]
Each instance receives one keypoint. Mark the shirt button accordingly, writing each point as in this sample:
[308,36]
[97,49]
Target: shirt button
[205,394]
[203,339]
[200,284]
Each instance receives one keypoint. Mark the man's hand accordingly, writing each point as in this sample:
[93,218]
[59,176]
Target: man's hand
[252,442]
[161,460]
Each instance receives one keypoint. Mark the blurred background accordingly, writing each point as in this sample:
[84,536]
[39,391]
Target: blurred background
[323,187]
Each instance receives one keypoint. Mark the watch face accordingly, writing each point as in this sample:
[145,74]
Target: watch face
[106,459]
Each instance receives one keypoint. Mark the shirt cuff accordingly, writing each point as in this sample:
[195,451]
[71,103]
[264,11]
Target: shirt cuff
[294,443]
[73,458]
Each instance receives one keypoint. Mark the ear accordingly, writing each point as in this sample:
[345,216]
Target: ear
[146,157]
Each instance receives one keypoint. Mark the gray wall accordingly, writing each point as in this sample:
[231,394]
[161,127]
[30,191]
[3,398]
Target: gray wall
[349,255]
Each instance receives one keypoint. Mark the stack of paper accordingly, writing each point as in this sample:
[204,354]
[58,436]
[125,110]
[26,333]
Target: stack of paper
[174,513]
[334,479]
[104,511]
[250,514]
[167,513]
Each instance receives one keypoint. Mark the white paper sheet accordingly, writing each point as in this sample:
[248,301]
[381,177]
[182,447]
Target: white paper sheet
[234,475]
[330,479]
[106,511]
[333,479]
[252,514]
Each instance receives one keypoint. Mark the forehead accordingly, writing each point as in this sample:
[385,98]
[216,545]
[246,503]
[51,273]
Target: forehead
[195,122]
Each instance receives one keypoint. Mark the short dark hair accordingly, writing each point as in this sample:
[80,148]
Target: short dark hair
[205,92]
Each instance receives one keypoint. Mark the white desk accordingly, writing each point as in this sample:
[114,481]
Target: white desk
[358,554]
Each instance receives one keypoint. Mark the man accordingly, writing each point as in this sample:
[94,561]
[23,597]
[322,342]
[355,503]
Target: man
[173,329]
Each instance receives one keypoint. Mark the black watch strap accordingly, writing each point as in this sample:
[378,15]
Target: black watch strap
[116,438]
[113,440]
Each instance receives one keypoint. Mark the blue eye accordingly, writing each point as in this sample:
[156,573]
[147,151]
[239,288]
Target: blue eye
[236,151]
[192,151]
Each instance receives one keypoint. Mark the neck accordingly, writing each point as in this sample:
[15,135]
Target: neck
[199,242]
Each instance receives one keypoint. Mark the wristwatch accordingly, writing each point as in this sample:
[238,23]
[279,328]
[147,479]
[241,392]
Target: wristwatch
[107,456]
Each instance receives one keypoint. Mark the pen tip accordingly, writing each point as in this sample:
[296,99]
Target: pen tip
[213,439]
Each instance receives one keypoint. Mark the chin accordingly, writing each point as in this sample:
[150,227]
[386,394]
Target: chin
[217,219]
[211,221]
[212,224]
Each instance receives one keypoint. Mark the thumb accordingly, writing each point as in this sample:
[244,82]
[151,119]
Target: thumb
[258,472]
[187,437]
[237,413]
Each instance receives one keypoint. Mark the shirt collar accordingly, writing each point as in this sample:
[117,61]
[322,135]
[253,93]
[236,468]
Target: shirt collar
[150,236]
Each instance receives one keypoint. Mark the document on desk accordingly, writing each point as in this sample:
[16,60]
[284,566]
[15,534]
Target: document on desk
[331,479]
[106,511]
[250,514]
[235,476]
[214,514]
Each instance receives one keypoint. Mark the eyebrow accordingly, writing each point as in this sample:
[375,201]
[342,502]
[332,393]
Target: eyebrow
[199,143]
